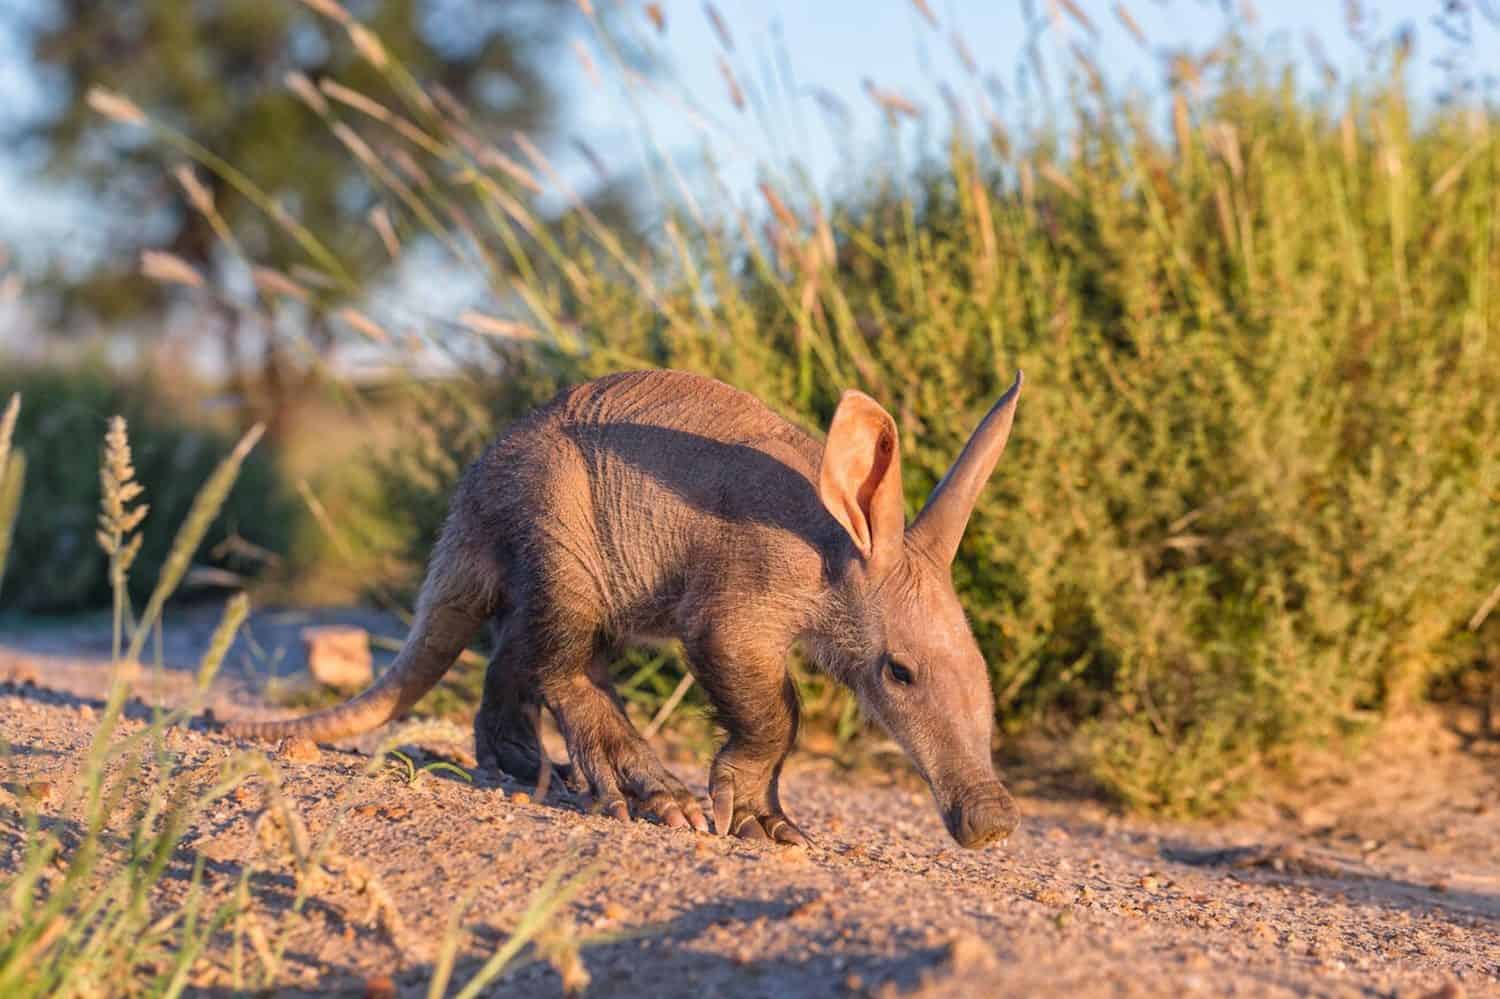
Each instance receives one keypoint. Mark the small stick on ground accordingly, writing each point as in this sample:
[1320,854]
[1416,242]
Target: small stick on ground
[1485,608]
[662,715]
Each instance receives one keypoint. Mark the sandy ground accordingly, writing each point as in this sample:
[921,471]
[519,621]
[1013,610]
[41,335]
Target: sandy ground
[1382,880]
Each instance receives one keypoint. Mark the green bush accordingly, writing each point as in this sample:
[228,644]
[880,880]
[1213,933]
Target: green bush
[1253,490]
[56,564]
[1252,495]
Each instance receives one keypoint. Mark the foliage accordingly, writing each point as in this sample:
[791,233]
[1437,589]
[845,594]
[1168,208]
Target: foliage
[55,563]
[83,914]
[12,479]
[1251,498]
[220,67]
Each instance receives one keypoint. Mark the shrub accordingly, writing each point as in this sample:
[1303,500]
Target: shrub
[55,564]
[1251,498]
[1252,495]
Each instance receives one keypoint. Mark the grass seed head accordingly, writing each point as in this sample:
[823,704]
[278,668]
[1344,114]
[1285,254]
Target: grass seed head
[118,518]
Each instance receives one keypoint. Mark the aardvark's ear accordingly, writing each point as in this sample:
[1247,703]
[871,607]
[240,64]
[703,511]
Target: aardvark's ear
[939,528]
[860,478]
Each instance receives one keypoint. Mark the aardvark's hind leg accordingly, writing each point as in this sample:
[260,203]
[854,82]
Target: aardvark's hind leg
[505,727]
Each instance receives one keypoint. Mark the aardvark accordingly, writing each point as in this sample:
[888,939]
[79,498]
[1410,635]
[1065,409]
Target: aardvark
[662,504]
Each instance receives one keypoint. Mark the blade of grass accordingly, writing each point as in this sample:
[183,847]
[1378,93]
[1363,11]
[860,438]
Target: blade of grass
[12,482]
[552,896]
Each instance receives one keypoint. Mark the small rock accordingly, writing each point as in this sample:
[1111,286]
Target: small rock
[243,795]
[804,910]
[854,984]
[40,791]
[1052,897]
[615,912]
[86,712]
[339,656]
[789,854]
[521,798]
[299,749]
[966,952]
[21,672]
[1448,990]
[380,987]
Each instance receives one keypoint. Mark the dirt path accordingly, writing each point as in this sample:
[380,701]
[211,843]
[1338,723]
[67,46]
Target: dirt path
[1375,885]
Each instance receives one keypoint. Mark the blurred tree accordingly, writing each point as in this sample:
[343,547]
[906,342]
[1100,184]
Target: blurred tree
[216,71]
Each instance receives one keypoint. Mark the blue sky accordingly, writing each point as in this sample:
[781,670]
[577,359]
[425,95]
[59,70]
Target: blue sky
[789,51]
[786,53]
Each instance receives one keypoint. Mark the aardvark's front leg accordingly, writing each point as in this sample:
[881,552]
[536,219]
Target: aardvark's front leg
[756,702]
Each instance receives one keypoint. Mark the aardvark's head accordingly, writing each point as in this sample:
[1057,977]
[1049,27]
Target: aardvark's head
[910,657]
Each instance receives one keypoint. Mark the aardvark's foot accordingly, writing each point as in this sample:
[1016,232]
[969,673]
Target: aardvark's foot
[628,775]
[749,807]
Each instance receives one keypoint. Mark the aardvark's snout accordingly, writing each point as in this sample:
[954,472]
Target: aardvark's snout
[981,816]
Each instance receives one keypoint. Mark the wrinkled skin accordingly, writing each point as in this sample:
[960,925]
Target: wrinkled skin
[654,505]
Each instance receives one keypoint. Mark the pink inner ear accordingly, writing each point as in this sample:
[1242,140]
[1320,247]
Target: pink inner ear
[857,524]
[858,479]
[875,477]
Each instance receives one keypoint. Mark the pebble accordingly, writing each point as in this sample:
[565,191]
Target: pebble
[804,910]
[1448,990]
[966,952]
[299,749]
[23,672]
[380,987]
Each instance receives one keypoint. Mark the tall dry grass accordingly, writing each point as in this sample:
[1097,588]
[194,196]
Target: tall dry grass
[1252,495]
[12,479]
[86,910]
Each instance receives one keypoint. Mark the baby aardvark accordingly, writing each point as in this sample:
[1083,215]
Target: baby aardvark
[662,504]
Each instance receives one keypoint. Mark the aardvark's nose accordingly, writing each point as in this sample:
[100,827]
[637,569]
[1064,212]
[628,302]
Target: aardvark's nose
[982,816]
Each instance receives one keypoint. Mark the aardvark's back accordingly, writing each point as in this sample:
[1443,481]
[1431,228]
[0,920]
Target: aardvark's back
[629,486]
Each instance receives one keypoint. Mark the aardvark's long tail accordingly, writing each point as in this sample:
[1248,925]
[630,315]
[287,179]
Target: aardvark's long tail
[460,593]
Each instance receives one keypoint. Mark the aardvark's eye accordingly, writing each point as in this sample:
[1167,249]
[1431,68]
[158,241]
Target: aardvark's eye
[901,674]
